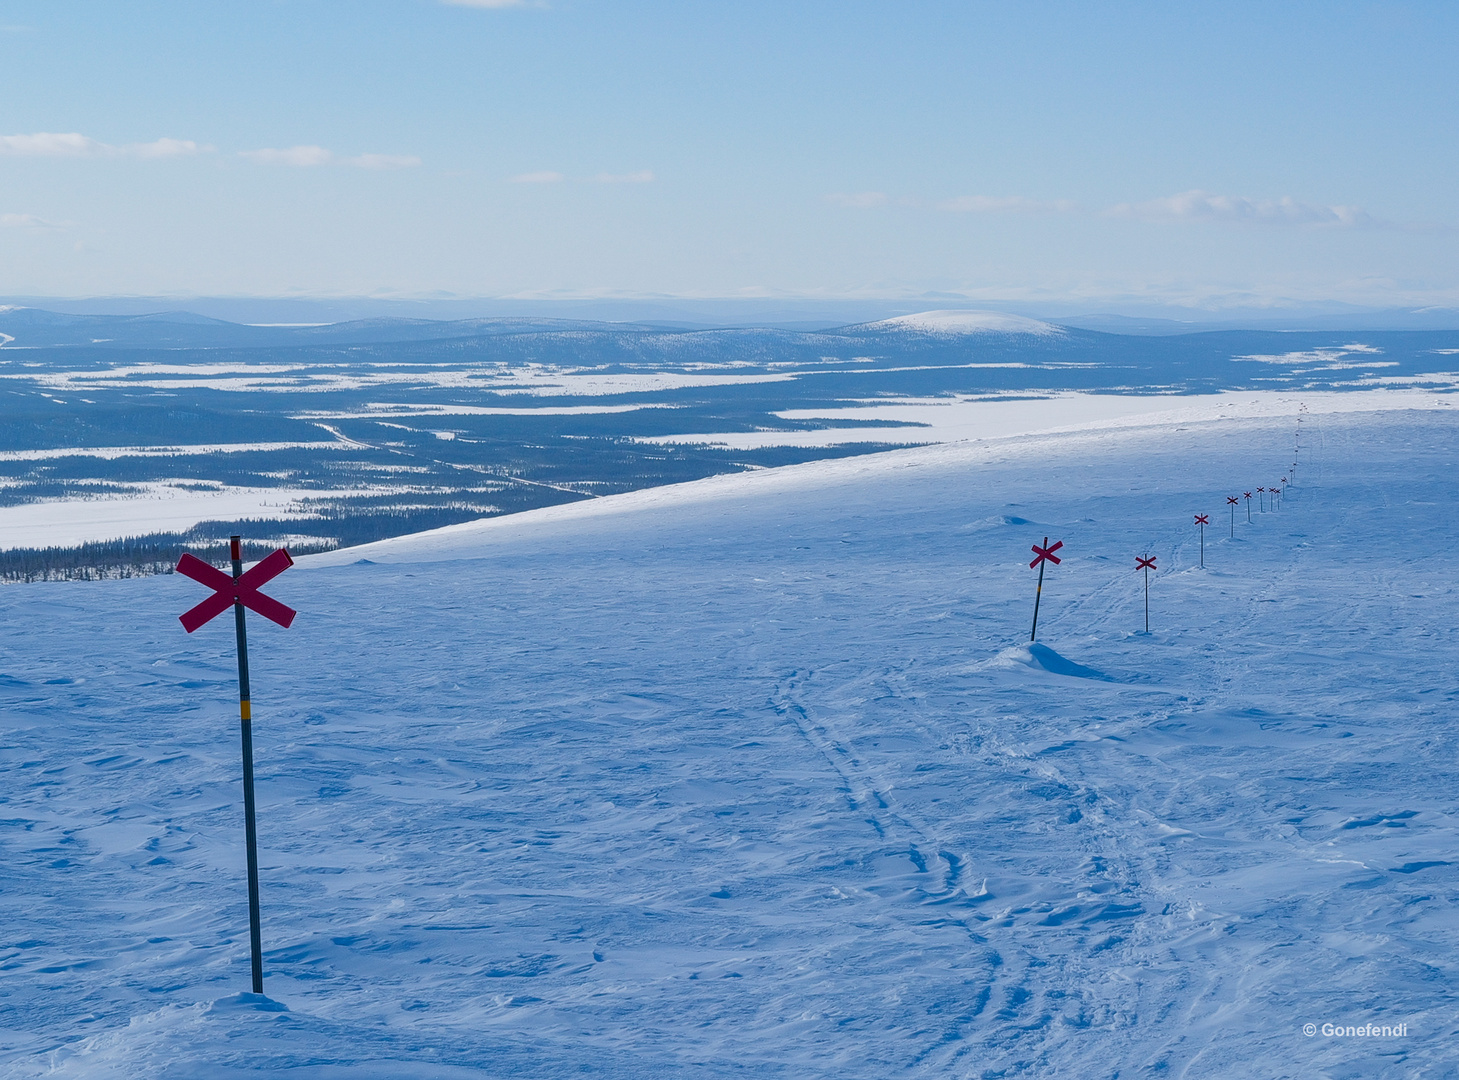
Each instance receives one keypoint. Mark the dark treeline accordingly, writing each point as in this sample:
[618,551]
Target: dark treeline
[132,556]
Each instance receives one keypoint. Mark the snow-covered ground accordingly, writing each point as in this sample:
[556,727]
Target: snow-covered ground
[758,776]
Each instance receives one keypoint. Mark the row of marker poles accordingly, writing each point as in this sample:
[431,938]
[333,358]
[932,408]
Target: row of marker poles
[241,590]
[1147,562]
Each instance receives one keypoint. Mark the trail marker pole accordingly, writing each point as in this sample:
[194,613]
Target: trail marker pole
[1041,555]
[1247,495]
[1233,501]
[1203,520]
[1261,497]
[1146,563]
[238,592]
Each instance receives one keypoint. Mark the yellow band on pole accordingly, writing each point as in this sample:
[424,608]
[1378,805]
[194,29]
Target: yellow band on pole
[244,711]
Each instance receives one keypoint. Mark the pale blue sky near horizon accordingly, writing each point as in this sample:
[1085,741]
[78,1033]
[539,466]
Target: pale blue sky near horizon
[1100,155]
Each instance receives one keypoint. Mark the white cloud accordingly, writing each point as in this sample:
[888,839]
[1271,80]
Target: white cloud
[165,148]
[964,204]
[25,221]
[306,157]
[548,176]
[298,156]
[75,145]
[1204,206]
[861,200]
[1186,206]
[383,161]
[50,144]
[1006,204]
[644,177]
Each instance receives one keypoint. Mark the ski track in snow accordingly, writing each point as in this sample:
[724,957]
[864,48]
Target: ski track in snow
[769,784]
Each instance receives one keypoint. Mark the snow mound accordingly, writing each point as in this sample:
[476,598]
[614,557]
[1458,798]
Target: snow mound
[247,1003]
[1040,656]
[952,323]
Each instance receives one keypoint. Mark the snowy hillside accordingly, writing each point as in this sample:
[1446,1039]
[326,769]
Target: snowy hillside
[965,322]
[758,777]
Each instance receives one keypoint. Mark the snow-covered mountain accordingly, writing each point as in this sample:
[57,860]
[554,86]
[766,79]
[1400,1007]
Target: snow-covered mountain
[955,323]
[758,776]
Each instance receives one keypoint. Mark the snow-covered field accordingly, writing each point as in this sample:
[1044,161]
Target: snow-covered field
[157,506]
[958,418]
[758,776]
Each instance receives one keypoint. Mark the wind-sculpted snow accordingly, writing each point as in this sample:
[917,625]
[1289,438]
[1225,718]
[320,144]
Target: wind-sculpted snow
[760,777]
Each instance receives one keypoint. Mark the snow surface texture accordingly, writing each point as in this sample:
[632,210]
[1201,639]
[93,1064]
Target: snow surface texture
[764,780]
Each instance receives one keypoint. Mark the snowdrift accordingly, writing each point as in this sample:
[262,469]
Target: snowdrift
[1039,656]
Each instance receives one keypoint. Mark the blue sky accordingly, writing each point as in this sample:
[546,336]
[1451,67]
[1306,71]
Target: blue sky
[1088,155]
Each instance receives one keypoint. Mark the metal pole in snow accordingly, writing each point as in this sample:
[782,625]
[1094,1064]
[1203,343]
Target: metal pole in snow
[1203,520]
[1037,596]
[1041,555]
[250,825]
[238,591]
[1146,563]
[1232,500]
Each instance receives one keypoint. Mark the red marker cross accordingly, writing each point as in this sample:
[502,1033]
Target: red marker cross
[1046,553]
[1203,519]
[1231,499]
[1145,564]
[244,590]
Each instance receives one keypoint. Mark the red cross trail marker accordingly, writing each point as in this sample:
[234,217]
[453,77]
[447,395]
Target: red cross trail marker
[243,590]
[1247,496]
[238,592]
[1261,498]
[1233,500]
[1203,520]
[1146,563]
[1042,555]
